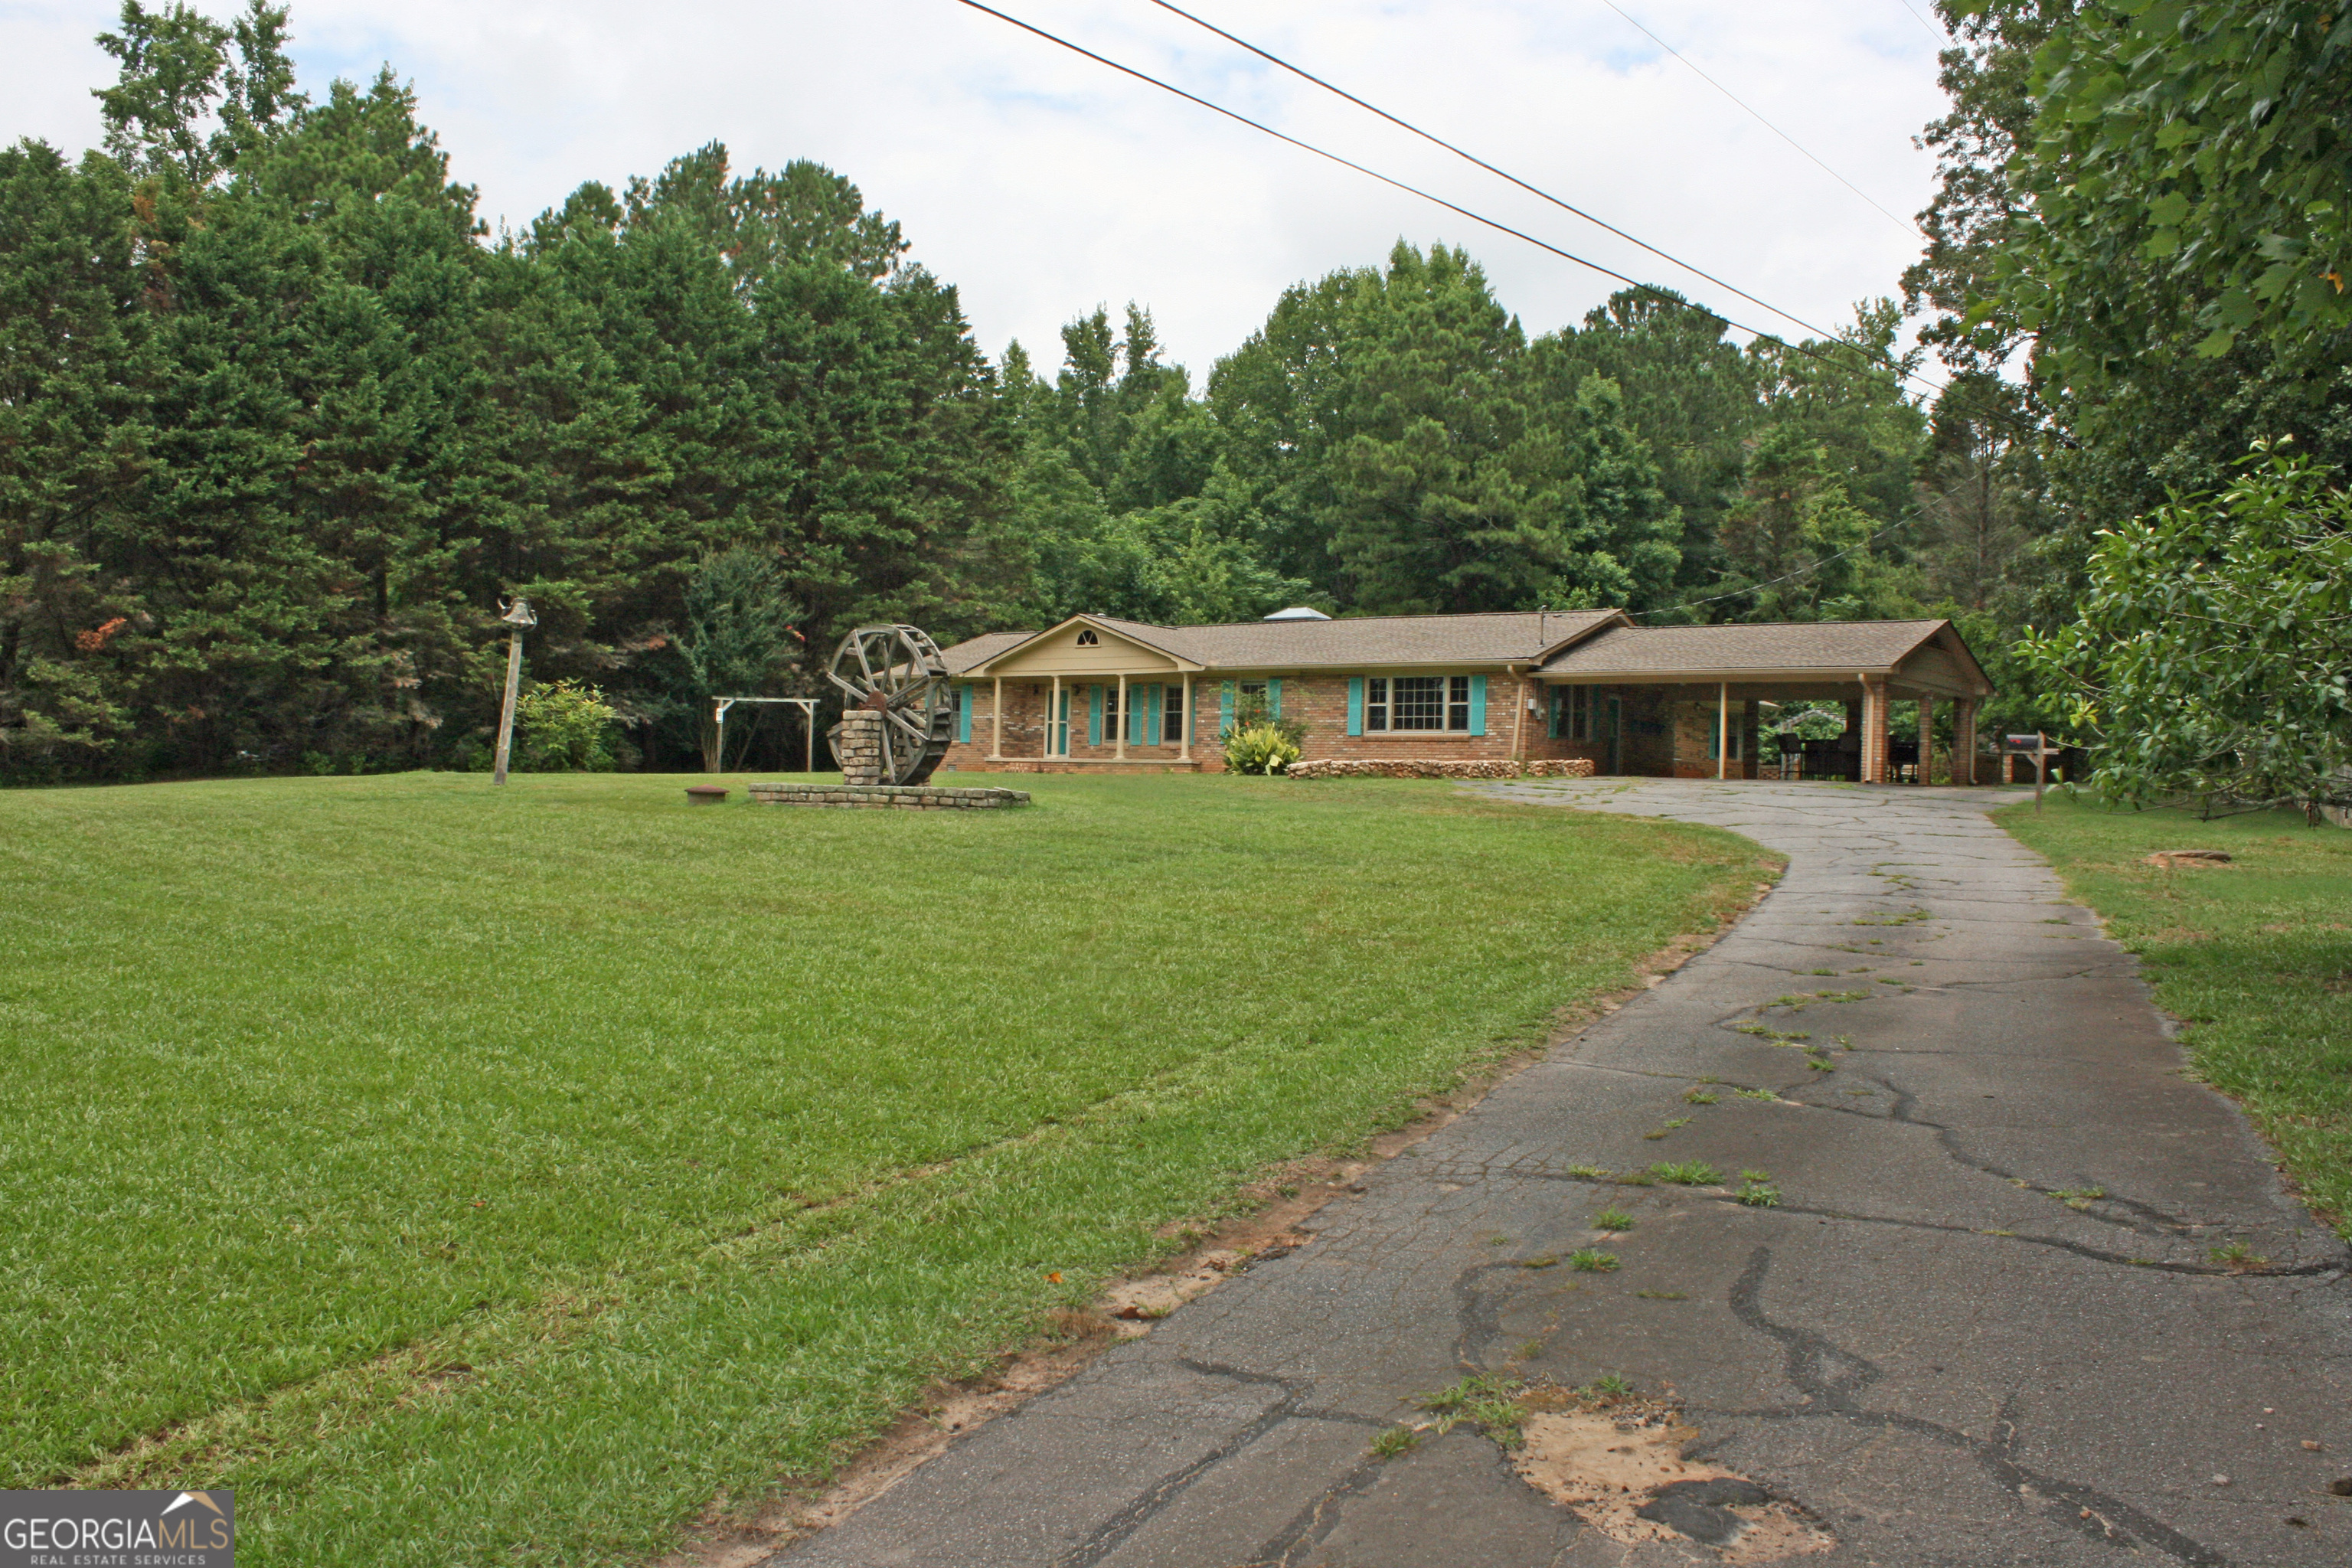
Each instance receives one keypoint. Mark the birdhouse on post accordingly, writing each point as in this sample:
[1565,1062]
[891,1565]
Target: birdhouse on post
[518,617]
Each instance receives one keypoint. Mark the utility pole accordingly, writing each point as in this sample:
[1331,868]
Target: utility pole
[519,617]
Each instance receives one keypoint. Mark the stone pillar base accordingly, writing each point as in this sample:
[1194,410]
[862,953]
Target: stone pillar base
[858,746]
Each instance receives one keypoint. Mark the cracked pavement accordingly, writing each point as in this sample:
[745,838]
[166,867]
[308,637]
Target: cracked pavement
[1987,1323]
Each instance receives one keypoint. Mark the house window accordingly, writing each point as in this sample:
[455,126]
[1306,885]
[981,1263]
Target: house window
[1250,706]
[1420,703]
[1417,702]
[1110,715]
[1087,637]
[1171,721]
[1572,718]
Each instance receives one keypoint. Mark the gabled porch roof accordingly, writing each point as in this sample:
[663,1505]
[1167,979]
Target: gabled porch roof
[1366,642]
[1928,656]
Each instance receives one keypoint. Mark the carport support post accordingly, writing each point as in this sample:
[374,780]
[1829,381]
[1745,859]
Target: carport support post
[1927,739]
[1722,729]
[1874,729]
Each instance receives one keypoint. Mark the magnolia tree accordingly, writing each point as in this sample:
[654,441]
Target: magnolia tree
[2213,653]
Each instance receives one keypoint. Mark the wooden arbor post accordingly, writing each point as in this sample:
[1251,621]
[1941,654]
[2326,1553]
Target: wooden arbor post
[1927,739]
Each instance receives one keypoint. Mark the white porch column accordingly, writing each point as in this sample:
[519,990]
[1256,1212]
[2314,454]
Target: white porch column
[1118,747]
[1722,729]
[1184,751]
[1053,714]
[996,721]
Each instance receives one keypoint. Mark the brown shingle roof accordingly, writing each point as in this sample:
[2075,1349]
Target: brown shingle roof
[1513,637]
[988,645]
[1842,646]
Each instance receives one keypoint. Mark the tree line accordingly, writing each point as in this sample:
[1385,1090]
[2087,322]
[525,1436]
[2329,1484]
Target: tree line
[281,425]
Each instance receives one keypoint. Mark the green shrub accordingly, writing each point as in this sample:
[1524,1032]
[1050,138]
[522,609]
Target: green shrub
[564,728]
[1260,749]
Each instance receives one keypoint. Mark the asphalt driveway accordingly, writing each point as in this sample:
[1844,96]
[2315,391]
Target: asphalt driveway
[2028,1294]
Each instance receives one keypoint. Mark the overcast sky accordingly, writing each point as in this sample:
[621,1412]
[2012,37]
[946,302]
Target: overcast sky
[1041,184]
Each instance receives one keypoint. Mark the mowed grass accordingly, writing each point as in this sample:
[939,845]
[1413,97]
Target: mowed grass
[2255,956]
[476,1176]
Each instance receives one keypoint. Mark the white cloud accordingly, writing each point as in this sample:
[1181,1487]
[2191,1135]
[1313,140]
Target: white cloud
[1041,184]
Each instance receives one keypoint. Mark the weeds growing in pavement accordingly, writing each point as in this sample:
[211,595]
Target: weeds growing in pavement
[1486,1401]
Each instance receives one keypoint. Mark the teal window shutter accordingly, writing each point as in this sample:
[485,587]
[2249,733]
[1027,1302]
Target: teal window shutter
[1133,716]
[1477,704]
[1225,709]
[963,715]
[1274,699]
[1152,718]
[1094,715]
[1355,705]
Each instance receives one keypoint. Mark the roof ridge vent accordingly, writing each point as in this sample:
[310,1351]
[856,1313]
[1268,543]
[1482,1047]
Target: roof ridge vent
[1298,612]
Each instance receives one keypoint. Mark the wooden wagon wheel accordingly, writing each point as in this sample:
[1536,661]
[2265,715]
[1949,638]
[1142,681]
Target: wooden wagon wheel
[896,672]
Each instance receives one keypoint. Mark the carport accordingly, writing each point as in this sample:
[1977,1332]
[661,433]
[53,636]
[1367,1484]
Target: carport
[1645,698]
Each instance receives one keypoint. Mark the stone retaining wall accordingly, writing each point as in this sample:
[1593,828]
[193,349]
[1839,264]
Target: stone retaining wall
[1431,768]
[895,798]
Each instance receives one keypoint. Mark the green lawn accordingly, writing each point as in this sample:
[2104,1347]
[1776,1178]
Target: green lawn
[2257,956]
[476,1176]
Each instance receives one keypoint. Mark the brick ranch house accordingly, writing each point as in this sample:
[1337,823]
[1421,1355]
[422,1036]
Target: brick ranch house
[1096,693]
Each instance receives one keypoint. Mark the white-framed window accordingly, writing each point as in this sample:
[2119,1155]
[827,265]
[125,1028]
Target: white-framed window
[1406,702]
[1087,637]
[1110,715]
[1172,715]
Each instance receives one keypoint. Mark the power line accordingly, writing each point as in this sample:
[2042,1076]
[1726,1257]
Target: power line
[1870,362]
[1881,360]
[1499,174]
[1908,226]
[1933,31]
[1500,227]
[1784,577]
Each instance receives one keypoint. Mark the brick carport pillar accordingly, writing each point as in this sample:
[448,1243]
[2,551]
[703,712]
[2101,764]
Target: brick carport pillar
[1964,740]
[1874,729]
[1927,739]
